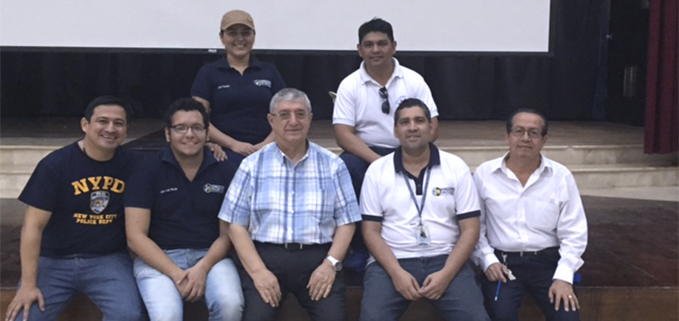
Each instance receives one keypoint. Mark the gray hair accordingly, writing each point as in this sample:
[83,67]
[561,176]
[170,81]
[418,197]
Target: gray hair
[289,94]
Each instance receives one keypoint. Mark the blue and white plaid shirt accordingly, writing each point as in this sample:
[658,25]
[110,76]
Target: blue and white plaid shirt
[284,203]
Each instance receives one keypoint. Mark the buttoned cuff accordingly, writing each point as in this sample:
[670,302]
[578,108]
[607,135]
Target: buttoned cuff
[489,260]
[564,273]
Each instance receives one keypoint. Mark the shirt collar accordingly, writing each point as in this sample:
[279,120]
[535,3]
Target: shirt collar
[434,158]
[168,157]
[502,165]
[282,157]
[224,64]
[365,77]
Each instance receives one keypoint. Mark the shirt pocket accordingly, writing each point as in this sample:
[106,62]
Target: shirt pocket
[543,215]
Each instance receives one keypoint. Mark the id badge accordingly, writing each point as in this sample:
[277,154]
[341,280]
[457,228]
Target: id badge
[423,235]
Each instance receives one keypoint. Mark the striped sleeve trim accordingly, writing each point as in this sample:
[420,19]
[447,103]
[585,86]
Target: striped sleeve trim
[468,215]
[372,218]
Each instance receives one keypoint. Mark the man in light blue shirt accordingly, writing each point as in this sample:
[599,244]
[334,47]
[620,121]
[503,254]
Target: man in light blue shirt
[291,209]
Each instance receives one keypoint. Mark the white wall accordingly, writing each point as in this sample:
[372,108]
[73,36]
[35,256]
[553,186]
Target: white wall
[419,25]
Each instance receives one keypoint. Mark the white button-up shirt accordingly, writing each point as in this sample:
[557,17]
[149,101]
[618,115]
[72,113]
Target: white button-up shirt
[546,212]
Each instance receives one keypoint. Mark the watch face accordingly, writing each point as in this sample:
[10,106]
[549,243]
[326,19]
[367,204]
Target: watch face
[337,266]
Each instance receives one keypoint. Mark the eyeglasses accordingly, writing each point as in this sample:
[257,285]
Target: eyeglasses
[183,129]
[384,95]
[519,132]
[286,115]
[235,33]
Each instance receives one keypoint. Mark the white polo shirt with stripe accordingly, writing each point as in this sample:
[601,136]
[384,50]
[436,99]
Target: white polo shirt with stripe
[451,196]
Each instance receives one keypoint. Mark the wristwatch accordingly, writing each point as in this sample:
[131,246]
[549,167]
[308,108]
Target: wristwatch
[336,264]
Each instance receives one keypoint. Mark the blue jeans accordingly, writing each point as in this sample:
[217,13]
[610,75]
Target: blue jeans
[107,280]
[461,301]
[533,275]
[223,294]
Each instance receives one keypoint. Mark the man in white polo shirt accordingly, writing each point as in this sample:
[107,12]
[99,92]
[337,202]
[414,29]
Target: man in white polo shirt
[533,224]
[364,108]
[420,222]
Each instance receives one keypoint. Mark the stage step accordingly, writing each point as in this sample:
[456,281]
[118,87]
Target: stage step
[568,155]
[11,156]
[594,166]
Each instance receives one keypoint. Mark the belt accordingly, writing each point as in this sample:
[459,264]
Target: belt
[527,253]
[293,246]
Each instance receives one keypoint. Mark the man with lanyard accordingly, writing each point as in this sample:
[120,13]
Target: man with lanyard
[171,211]
[533,225]
[291,210]
[420,222]
[364,109]
[73,237]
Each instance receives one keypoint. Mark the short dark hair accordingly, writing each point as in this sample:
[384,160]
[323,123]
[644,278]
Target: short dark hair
[186,104]
[408,103]
[105,100]
[375,25]
[510,121]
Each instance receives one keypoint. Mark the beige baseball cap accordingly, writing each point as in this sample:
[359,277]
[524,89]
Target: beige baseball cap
[235,17]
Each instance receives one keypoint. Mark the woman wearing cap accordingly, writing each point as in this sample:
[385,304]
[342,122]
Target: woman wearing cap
[237,90]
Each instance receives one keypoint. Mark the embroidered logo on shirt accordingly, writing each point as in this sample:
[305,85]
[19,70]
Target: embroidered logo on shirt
[263,82]
[99,201]
[167,190]
[209,188]
[438,191]
[223,86]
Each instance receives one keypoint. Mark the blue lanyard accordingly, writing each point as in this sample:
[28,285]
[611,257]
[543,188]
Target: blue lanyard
[420,207]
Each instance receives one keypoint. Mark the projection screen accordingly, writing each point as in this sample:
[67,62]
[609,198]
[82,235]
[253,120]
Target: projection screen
[424,25]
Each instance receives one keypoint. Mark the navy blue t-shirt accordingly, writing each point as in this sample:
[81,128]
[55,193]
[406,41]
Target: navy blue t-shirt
[183,213]
[239,103]
[85,198]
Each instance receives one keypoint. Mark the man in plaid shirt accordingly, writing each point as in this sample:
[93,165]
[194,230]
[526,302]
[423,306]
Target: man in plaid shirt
[291,209]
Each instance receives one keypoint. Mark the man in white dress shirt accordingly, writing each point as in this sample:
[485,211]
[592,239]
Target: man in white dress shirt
[533,225]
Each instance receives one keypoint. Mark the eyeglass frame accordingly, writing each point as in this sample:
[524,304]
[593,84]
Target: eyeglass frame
[196,129]
[286,116]
[533,133]
[385,105]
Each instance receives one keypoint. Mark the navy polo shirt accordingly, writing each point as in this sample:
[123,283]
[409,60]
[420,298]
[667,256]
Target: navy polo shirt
[239,103]
[183,213]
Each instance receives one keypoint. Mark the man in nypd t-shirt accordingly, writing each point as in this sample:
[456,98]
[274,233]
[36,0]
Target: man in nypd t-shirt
[73,237]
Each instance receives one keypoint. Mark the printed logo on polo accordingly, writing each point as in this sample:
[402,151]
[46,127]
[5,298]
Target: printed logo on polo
[99,201]
[210,188]
[263,82]
[438,191]
[400,100]
[223,86]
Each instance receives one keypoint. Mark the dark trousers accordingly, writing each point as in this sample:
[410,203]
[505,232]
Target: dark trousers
[357,168]
[462,300]
[534,276]
[293,268]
